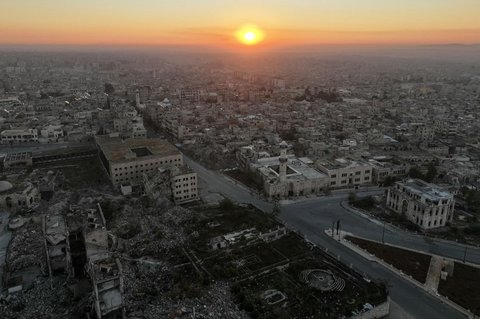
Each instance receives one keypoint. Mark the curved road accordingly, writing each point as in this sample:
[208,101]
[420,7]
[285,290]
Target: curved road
[312,216]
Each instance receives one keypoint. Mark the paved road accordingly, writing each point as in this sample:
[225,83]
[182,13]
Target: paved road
[5,237]
[312,216]
[322,211]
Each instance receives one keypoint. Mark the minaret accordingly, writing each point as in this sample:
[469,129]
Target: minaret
[137,98]
[282,169]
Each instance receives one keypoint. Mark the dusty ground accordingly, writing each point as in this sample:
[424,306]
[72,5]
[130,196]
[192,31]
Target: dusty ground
[411,263]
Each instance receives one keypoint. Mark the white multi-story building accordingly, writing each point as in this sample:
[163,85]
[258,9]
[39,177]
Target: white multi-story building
[346,173]
[184,185]
[424,204]
[127,160]
[19,136]
[51,133]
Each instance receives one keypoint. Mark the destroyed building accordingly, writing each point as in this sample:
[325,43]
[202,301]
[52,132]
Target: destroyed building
[177,183]
[17,194]
[57,246]
[103,268]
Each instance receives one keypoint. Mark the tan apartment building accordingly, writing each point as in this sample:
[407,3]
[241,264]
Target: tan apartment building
[127,160]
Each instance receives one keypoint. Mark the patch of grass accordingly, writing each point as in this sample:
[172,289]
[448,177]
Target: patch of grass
[410,262]
[463,287]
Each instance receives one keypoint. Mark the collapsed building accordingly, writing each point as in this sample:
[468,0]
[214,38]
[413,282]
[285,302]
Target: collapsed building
[78,245]
[57,246]
[17,194]
[103,269]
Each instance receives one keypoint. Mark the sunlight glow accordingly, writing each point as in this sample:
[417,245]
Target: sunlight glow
[250,35]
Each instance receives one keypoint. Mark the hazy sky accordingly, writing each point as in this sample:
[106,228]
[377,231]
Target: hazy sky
[213,22]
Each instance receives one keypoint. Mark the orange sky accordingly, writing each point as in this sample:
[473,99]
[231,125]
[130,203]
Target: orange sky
[214,22]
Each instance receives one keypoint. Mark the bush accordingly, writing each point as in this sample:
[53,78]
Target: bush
[226,204]
[352,197]
[365,203]
[472,230]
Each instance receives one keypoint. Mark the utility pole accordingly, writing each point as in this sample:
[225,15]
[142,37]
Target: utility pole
[465,254]
[383,233]
[339,230]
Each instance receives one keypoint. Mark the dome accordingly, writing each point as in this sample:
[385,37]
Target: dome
[5,186]
[283,144]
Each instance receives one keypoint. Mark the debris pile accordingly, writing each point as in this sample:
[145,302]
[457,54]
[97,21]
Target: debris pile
[152,292]
[40,301]
[151,233]
[27,248]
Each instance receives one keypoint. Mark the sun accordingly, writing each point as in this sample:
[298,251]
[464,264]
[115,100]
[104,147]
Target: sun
[249,34]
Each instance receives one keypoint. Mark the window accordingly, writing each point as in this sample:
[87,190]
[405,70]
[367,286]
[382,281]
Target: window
[334,176]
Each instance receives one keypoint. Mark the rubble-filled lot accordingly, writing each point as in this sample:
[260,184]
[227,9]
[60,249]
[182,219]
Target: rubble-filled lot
[206,261]
[256,266]
[159,291]
[26,249]
[40,301]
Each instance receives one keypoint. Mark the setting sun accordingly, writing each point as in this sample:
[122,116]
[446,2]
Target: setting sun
[250,35]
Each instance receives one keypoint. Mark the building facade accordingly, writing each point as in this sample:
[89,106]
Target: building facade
[127,160]
[344,173]
[18,196]
[424,204]
[184,185]
[19,136]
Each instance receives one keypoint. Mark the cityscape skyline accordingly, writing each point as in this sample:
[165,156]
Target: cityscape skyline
[285,23]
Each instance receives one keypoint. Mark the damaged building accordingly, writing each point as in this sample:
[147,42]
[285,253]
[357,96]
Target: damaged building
[149,165]
[177,183]
[103,268]
[57,245]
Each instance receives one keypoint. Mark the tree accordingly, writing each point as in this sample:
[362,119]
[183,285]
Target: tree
[431,173]
[109,89]
[415,173]
[389,181]
[352,197]
[226,204]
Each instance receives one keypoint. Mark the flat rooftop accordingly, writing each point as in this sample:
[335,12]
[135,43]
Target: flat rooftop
[117,150]
[10,157]
[341,163]
[297,168]
[422,188]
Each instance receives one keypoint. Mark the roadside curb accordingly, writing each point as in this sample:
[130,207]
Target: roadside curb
[394,228]
[398,272]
